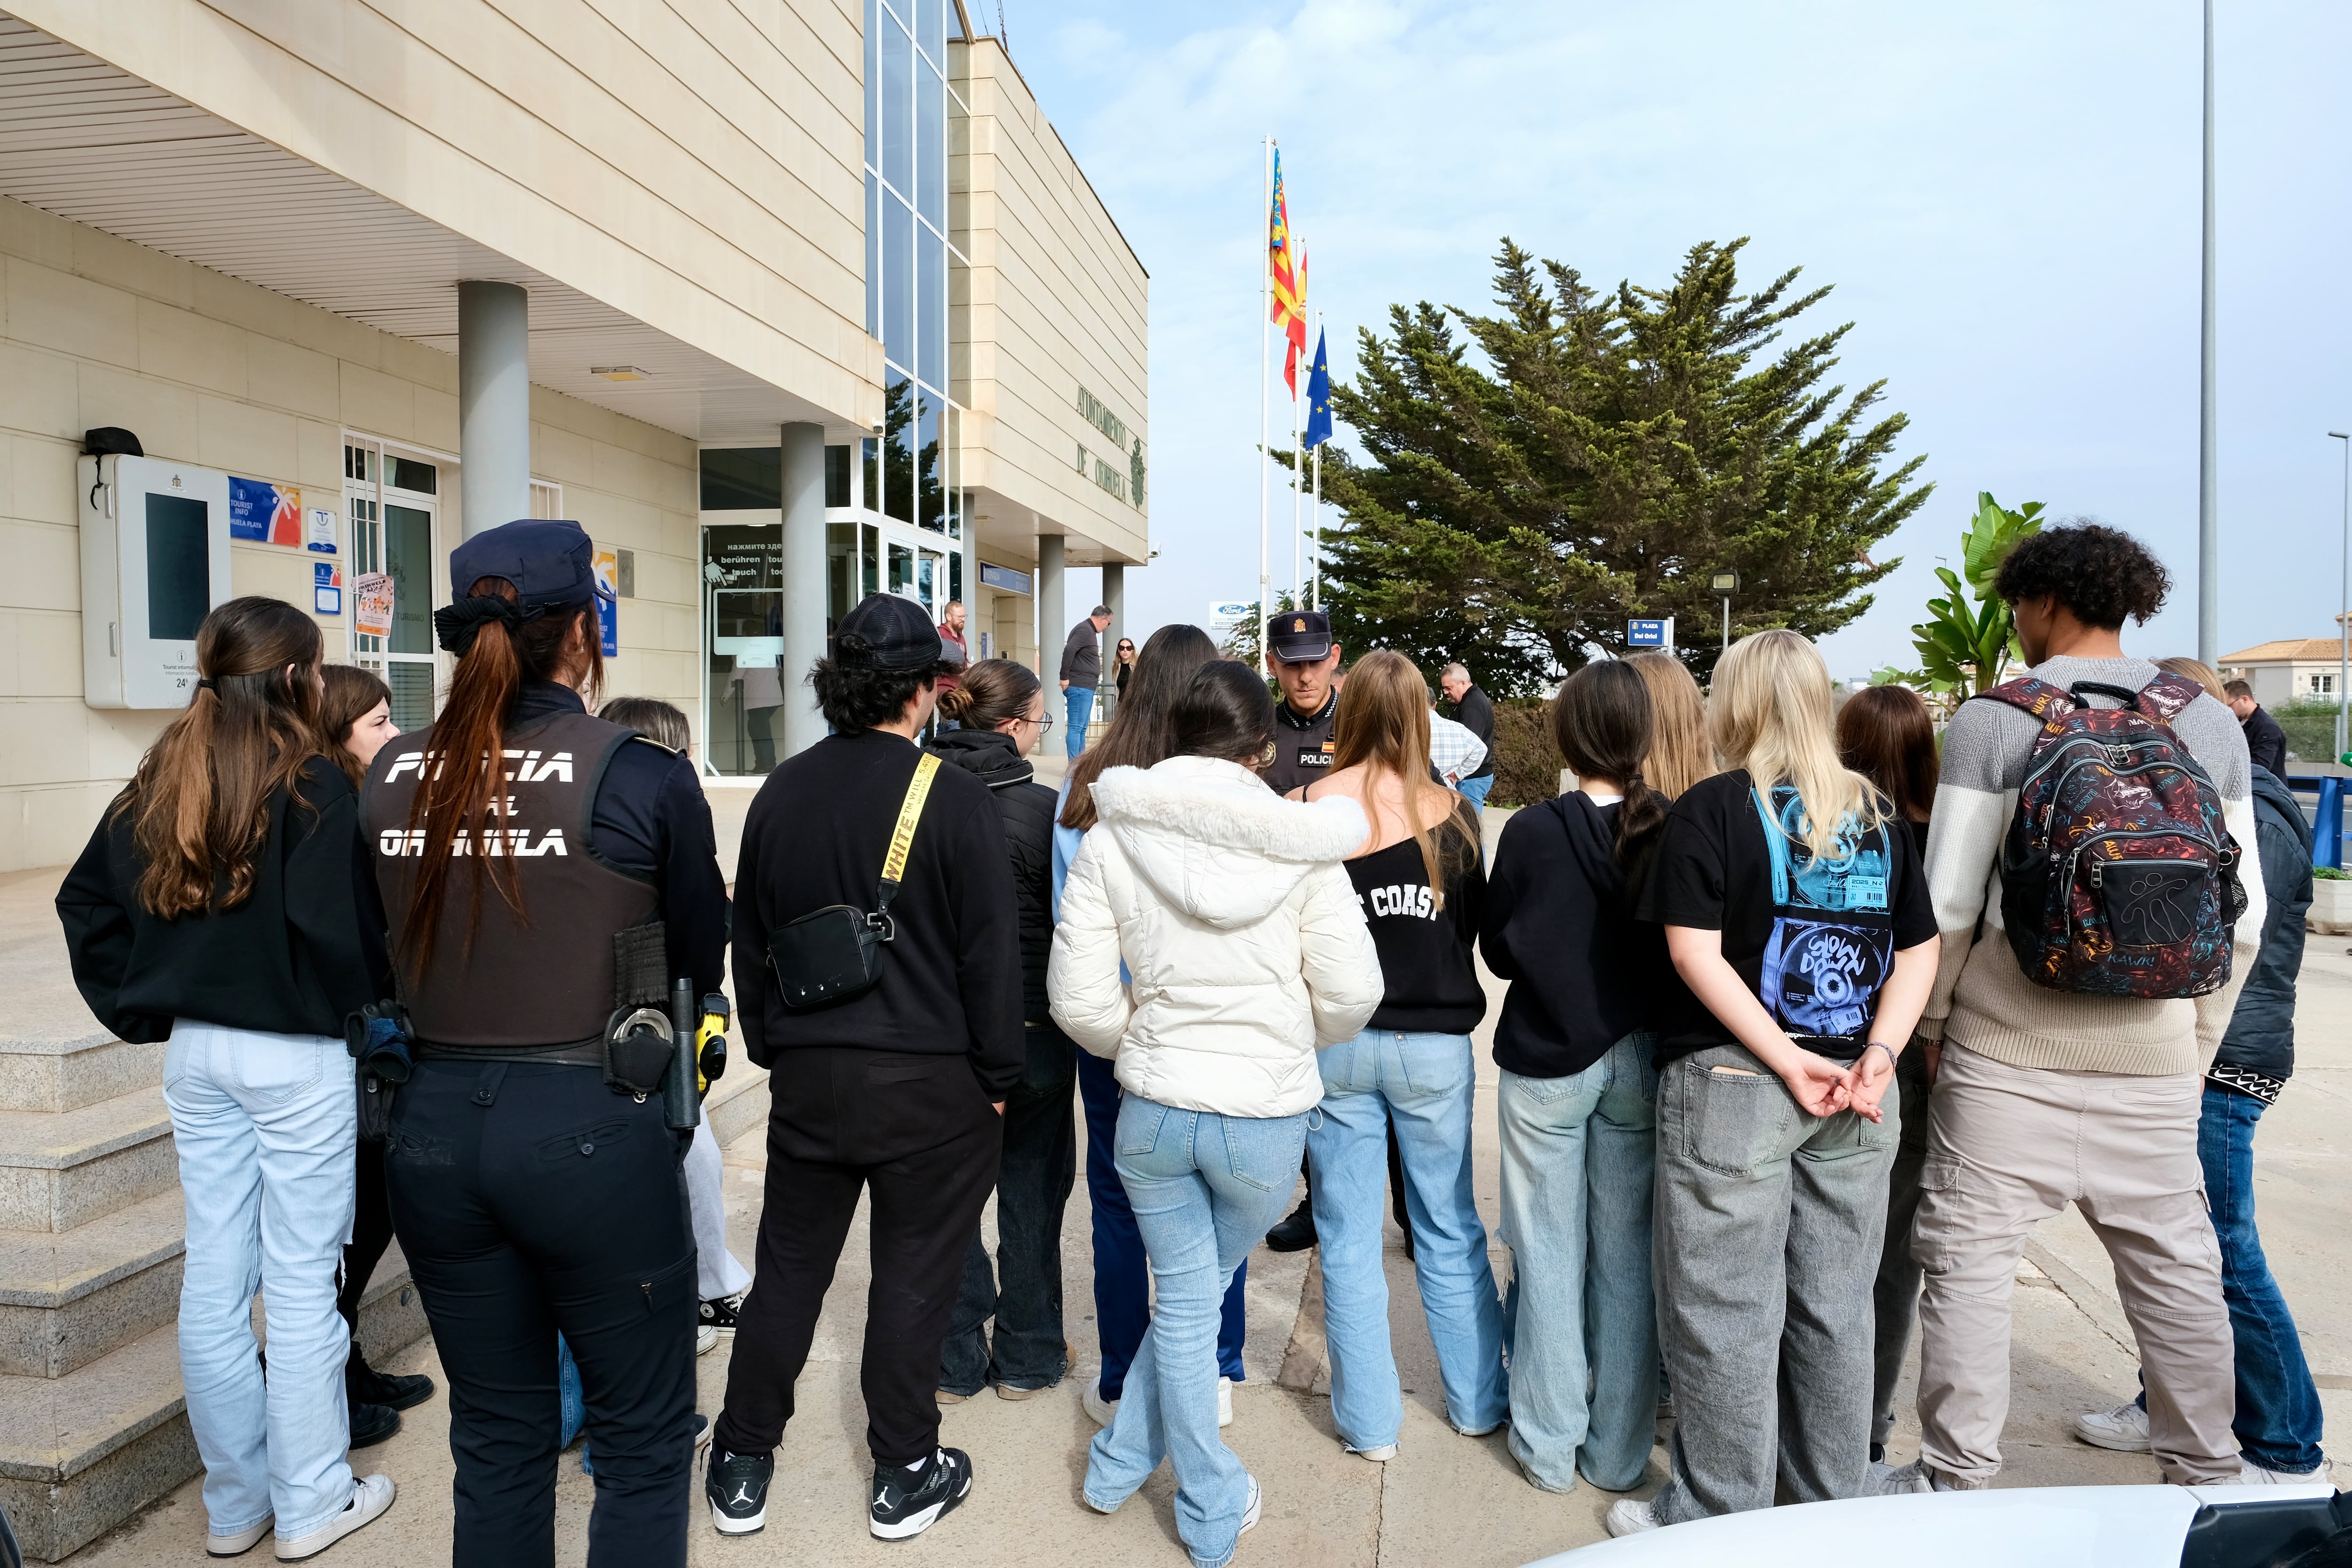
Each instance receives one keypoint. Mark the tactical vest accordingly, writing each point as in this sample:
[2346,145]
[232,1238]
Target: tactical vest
[544,977]
[1302,751]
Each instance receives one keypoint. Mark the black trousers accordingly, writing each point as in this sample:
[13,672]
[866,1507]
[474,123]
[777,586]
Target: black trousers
[533,1200]
[1021,1290]
[918,1133]
[371,1235]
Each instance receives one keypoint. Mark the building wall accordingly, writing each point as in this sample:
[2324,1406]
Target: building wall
[1055,300]
[694,164]
[95,331]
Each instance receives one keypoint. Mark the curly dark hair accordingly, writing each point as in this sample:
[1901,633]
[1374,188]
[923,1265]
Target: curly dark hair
[2103,574]
[855,698]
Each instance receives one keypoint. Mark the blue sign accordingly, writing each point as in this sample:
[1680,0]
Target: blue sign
[327,589]
[1645,633]
[1004,578]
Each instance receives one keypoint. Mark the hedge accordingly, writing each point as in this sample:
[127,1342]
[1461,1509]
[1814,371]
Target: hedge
[1527,763]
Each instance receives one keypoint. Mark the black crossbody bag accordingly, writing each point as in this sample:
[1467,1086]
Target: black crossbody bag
[834,954]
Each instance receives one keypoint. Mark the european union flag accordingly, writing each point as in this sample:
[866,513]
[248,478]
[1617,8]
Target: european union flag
[1318,396]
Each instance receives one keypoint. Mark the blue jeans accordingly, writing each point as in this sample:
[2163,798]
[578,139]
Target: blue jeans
[1206,1188]
[1580,1162]
[1078,707]
[2278,1418]
[1426,1081]
[266,1125]
[1474,790]
[1122,1285]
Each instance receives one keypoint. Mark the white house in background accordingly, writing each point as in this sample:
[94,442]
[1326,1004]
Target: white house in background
[2288,670]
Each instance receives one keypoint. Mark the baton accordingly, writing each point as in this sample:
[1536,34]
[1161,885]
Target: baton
[680,1110]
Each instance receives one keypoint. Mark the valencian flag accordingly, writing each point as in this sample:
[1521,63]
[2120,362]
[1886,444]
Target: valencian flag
[1289,306]
[1319,398]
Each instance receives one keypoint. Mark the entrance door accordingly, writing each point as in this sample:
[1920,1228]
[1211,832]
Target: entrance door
[395,511]
[915,567]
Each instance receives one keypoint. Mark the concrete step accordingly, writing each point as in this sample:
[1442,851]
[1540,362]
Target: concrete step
[81,1453]
[68,1298]
[58,1074]
[62,1169]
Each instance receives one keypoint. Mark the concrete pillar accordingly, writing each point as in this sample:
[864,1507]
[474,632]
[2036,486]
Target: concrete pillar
[804,566]
[1052,628]
[493,403]
[1114,595]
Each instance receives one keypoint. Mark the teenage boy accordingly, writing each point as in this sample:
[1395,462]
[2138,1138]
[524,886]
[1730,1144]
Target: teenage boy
[2278,1415]
[2044,1098]
[897,1091]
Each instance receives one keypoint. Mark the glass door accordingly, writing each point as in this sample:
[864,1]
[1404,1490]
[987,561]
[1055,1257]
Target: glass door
[395,510]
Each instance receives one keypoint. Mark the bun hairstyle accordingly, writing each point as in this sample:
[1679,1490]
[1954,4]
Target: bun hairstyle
[1601,721]
[352,694]
[199,804]
[988,694]
[1140,735]
[1225,712]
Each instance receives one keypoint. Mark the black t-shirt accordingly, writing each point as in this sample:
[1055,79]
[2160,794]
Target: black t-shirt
[1814,940]
[1429,984]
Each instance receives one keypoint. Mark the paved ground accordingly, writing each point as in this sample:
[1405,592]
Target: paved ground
[1444,1498]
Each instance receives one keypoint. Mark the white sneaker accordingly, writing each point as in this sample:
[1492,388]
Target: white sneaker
[1629,1516]
[2124,1428]
[1226,1405]
[1379,1456]
[1104,1411]
[369,1497]
[706,1340]
[240,1543]
[1249,1514]
[2254,1475]
[1897,1480]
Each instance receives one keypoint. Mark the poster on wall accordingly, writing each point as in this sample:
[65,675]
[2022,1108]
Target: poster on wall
[372,603]
[265,513]
[327,588]
[321,533]
[608,599]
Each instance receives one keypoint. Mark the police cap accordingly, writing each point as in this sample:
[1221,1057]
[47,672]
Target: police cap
[1300,636]
[550,561]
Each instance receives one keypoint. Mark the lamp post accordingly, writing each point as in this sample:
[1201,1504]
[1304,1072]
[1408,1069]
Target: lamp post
[1726,584]
[2209,482]
[2343,616]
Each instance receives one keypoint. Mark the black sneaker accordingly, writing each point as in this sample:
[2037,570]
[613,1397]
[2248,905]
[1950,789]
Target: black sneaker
[909,1502]
[718,1314]
[1295,1234]
[373,1424]
[737,1486]
[393,1391]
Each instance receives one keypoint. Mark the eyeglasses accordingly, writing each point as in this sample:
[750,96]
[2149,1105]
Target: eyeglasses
[1043,724]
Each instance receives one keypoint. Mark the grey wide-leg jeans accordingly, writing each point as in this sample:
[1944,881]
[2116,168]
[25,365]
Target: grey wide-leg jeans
[1770,1223]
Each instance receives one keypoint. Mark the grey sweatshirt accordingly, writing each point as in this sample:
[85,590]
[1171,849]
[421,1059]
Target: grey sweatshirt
[1981,999]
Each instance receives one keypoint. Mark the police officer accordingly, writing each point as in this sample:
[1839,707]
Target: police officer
[1305,660]
[535,1185]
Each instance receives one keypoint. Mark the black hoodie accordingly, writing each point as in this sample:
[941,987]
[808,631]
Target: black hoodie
[1583,972]
[1027,808]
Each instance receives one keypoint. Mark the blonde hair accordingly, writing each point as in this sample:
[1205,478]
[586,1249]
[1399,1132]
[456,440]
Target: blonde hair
[2203,674]
[1680,754]
[1771,714]
[1382,725]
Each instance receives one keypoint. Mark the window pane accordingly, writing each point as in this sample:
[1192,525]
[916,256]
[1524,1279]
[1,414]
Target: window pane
[409,474]
[902,569]
[955,576]
[897,109]
[870,497]
[898,448]
[932,307]
[408,557]
[873,257]
[931,147]
[951,465]
[898,281]
[740,479]
[873,82]
[927,26]
[411,694]
[836,475]
[840,575]
[927,448]
[870,555]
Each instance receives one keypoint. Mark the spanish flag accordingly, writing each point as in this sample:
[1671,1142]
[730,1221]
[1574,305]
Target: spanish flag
[1289,308]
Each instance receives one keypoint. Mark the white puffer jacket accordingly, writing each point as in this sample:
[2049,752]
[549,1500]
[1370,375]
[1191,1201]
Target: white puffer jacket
[1230,908]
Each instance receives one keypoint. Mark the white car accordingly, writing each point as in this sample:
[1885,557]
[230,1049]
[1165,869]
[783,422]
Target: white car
[2021,1527]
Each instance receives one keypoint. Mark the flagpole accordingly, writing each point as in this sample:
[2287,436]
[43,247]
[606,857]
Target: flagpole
[1297,497]
[1264,399]
[1314,538]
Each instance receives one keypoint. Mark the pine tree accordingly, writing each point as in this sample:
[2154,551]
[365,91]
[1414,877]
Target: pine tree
[1599,459]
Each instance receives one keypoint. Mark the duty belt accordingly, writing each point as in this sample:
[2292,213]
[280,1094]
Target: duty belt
[591,1055]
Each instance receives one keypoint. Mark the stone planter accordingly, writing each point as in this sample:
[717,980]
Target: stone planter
[2331,906]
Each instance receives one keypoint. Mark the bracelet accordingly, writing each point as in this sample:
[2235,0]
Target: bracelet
[1881,1045]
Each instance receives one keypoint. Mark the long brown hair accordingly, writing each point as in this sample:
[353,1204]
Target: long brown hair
[352,694]
[1601,721]
[1382,726]
[199,804]
[1140,734]
[462,788]
[1885,734]
[988,694]
[1680,752]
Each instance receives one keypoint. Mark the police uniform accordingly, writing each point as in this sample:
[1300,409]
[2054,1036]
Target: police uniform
[529,1197]
[1302,743]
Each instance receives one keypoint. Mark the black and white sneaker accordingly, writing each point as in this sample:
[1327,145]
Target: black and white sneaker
[737,1487]
[909,1502]
[718,1315]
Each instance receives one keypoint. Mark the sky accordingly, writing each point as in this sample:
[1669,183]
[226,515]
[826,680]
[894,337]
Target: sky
[2005,198]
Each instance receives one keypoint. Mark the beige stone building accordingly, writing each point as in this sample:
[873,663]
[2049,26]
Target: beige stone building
[787,301]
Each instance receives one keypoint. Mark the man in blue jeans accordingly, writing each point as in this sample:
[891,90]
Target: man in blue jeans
[2278,1416]
[1081,673]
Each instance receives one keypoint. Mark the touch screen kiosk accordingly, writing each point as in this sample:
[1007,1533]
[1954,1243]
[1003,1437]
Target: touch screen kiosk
[155,562]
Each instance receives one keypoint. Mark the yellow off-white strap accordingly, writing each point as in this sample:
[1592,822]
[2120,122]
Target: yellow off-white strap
[902,838]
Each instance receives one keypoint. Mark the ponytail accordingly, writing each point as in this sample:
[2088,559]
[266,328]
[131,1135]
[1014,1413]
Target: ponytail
[463,785]
[1601,720]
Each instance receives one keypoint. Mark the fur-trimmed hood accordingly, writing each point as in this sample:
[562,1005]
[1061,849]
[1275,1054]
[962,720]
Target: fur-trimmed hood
[1214,842]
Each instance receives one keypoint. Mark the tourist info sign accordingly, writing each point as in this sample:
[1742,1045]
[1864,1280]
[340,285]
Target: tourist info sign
[1650,634]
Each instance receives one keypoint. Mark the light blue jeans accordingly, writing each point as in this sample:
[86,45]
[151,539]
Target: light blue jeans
[1580,1162]
[1425,1081]
[266,1125]
[1474,790]
[1078,711]
[1206,1189]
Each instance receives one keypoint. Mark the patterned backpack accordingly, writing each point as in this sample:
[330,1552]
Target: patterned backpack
[2117,875]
